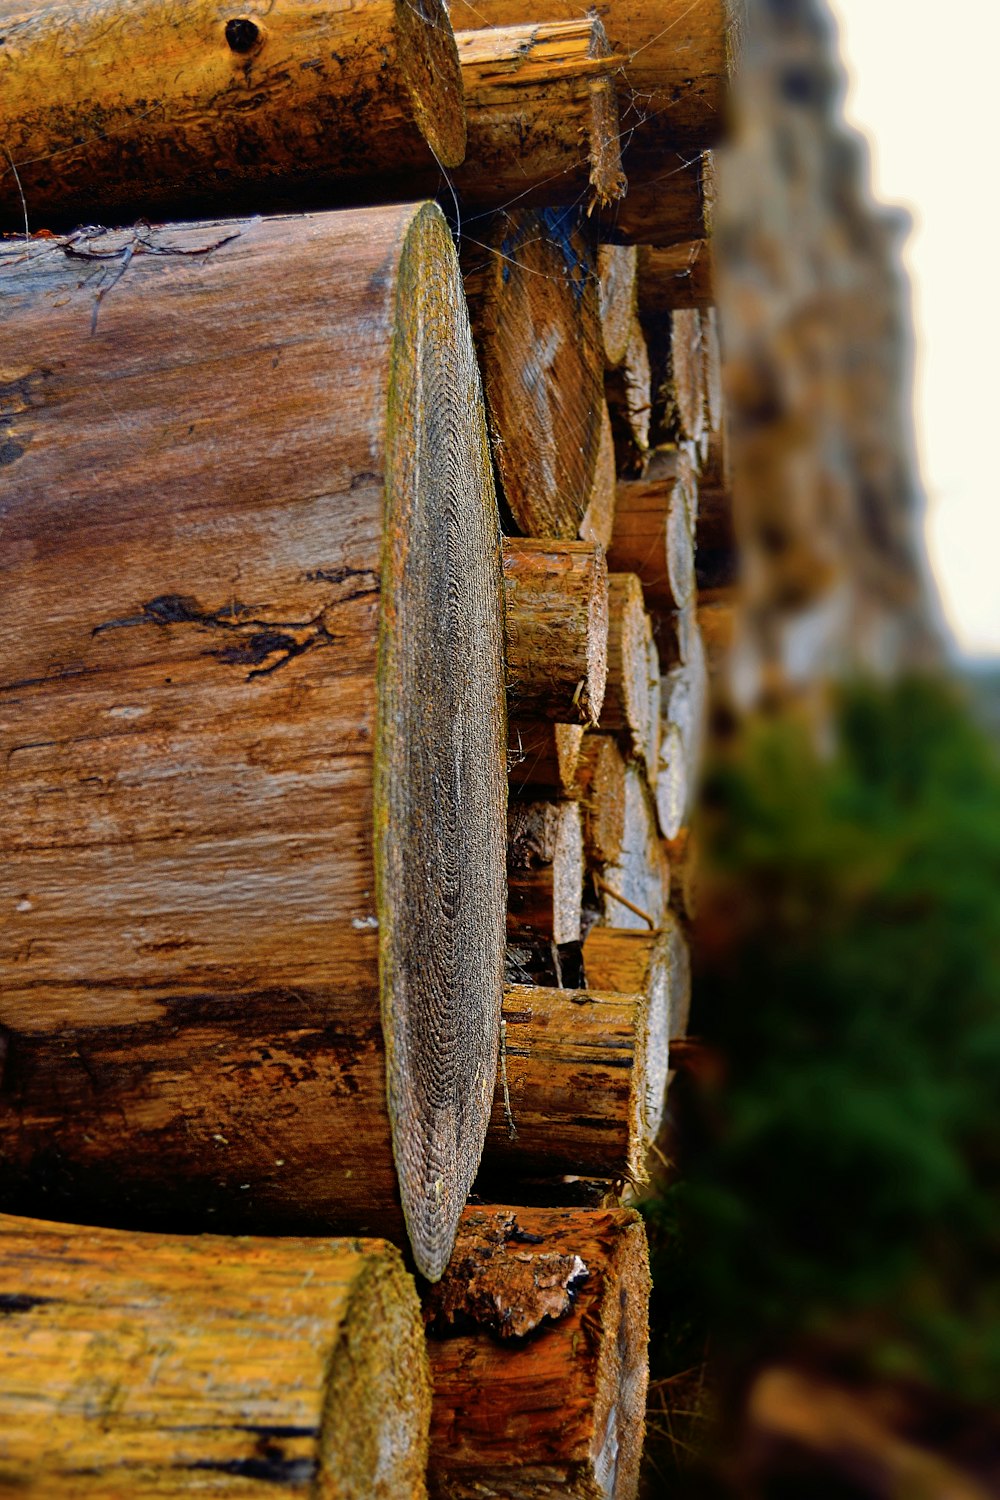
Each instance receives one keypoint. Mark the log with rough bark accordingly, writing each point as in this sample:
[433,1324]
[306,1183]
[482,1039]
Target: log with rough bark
[600,787]
[545,870]
[599,517]
[538,1356]
[535,312]
[671,277]
[635,888]
[581,1088]
[147,1365]
[652,536]
[543,758]
[632,696]
[648,962]
[251,782]
[670,198]
[630,404]
[616,270]
[557,628]
[118,110]
[543,116]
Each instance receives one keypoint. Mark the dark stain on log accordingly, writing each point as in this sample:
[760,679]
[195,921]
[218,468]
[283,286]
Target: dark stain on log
[274,1468]
[19,1302]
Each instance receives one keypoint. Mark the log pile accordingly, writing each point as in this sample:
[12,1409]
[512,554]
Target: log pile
[351,710]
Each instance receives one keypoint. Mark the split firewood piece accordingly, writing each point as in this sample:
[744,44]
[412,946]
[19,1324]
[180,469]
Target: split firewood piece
[671,277]
[535,312]
[121,110]
[630,403]
[681,392]
[268,776]
[711,355]
[545,870]
[635,889]
[671,790]
[543,758]
[616,269]
[543,115]
[148,1365]
[581,1088]
[557,628]
[600,788]
[652,536]
[649,962]
[599,517]
[632,697]
[682,852]
[670,199]
[538,1356]
[677,60]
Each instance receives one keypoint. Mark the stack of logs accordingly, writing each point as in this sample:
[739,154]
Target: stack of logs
[314,529]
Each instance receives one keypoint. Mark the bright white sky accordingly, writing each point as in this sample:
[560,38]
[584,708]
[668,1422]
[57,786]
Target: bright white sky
[923,89]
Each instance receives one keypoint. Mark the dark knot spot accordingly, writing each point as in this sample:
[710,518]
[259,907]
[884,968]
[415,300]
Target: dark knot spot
[242,34]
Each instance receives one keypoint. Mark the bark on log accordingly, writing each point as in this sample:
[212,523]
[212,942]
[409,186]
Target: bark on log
[599,517]
[535,312]
[652,536]
[640,875]
[678,60]
[543,758]
[646,962]
[582,1087]
[251,780]
[560,1413]
[632,698]
[545,870]
[126,109]
[543,116]
[682,390]
[557,628]
[670,198]
[142,1365]
[600,787]
[630,403]
[671,277]
[616,269]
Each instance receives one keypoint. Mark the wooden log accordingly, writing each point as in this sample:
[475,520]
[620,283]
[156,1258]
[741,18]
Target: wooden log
[543,758]
[652,536]
[560,1412]
[631,698]
[534,305]
[124,109]
[678,637]
[582,1087]
[600,787]
[543,116]
[254,738]
[711,357]
[599,517]
[717,627]
[671,277]
[682,389]
[147,1365]
[545,870]
[671,790]
[557,628]
[630,404]
[678,60]
[635,888]
[682,852]
[647,962]
[616,270]
[670,198]
[684,697]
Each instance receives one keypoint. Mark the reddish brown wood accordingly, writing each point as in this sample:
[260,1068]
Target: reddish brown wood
[630,403]
[652,536]
[675,276]
[542,758]
[616,270]
[670,198]
[600,787]
[556,628]
[599,516]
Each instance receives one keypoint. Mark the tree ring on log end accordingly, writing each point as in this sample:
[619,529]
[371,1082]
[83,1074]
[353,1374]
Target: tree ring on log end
[440,754]
[432,75]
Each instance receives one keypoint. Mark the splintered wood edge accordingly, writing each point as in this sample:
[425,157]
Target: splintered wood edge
[623,1365]
[432,75]
[440,750]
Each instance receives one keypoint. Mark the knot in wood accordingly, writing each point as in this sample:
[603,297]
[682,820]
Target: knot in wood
[242,34]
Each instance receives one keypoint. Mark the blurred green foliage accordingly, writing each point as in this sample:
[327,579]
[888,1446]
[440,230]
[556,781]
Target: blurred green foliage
[841,1181]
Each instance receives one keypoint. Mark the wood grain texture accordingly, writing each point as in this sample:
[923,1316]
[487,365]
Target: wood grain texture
[600,787]
[616,269]
[599,517]
[630,404]
[682,389]
[560,1415]
[641,872]
[652,536]
[535,313]
[675,276]
[654,963]
[236,705]
[556,628]
[545,870]
[632,697]
[670,199]
[121,109]
[146,1365]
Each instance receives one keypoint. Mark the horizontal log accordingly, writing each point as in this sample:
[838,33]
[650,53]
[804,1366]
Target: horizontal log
[681,393]
[556,628]
[533,300]
[147,1365]
[630,403]
[671,277]
[600,787]
[649,962]
[682,852]
[599,516]
[678,637]
[711,354]
[582,1085]
[545,870]
[670,198]
[248,771]
[538,1356]
[543,757]
[635,888]
[616,271]
[117,110]
[653,535]
[632,697]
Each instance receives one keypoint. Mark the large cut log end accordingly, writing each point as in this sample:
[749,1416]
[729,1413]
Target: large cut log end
[441,745]
[432,76]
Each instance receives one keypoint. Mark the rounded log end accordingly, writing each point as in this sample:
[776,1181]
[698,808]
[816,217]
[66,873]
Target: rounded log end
[567,870]
[592,698]
[432,75]
[623,1363]
[377,1410]
[671,782]
[440,786]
